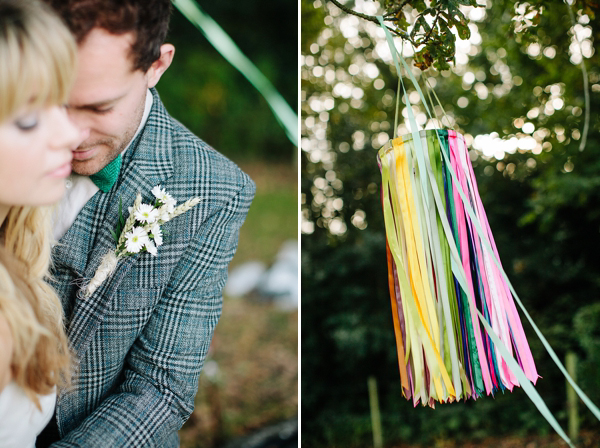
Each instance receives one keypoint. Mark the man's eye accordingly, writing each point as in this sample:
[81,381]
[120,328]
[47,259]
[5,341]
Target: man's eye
[27,122]
[103,111]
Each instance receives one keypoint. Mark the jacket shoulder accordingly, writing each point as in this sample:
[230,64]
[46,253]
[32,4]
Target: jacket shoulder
[200,164]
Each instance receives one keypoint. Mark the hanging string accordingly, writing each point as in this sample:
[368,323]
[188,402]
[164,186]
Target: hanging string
[431,89]
[586,87]
[398,94]
[439,122]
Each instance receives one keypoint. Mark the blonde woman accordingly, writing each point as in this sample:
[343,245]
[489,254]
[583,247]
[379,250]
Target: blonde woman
[37,59]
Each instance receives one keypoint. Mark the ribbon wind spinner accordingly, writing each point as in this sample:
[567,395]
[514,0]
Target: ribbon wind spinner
[458,333]
[444,354]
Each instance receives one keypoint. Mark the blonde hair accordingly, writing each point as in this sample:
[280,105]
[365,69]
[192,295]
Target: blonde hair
[38,57]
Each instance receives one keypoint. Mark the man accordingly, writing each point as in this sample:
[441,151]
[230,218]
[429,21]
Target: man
[141,338]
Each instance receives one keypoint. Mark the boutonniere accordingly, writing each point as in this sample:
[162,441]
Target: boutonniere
[141,232]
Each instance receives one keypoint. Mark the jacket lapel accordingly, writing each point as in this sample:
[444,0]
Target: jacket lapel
[147,163]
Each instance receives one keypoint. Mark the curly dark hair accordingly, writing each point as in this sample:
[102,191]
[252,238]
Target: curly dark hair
[148,19]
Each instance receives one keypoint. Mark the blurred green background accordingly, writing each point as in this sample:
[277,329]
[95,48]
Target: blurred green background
[516,92]
[214,100]
[254,350]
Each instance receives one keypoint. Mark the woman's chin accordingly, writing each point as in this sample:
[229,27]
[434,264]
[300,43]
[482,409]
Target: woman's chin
[51,195]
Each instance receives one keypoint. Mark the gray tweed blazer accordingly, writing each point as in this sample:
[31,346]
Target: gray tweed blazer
[142,337]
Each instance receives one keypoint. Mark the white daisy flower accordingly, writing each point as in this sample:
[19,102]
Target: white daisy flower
[163,196]
[135,240]
[150,247]
[158,192]
[170,202]
[146,213]
[157,234]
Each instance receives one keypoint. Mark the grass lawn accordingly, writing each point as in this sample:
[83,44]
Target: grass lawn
[273,216]
[250,378]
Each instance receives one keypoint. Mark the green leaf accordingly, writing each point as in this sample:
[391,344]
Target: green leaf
[419,5]
[463,31]
[448,17]
[402,23]
[420,23]
[121,224]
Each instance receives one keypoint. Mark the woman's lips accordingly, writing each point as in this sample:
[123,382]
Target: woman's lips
[62,171]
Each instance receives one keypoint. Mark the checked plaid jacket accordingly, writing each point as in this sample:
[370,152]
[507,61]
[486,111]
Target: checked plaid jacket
[141,339]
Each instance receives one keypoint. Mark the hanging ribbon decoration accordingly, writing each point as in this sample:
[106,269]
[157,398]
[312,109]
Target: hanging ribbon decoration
[445,274]
[285,115]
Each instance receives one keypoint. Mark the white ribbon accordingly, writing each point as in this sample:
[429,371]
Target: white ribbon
[106,268]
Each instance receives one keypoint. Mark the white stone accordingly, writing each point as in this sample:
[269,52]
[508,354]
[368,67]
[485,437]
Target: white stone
[244,278]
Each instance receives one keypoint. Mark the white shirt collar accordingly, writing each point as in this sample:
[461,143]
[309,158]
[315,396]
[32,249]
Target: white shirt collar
[147,108]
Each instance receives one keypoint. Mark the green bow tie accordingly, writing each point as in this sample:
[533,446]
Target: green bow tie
[107,176]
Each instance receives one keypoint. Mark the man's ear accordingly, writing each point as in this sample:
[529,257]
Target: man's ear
[158,67]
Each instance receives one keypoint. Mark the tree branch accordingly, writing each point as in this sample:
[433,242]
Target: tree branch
[396,9]
[370,19]
[428,35]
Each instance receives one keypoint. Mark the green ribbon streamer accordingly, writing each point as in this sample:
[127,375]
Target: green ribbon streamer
[470,332]
[219,39]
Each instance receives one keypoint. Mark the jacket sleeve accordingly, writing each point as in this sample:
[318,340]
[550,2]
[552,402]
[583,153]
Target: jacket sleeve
[162,368]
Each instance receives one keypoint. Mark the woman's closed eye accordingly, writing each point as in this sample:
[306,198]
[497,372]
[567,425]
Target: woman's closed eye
[27,122]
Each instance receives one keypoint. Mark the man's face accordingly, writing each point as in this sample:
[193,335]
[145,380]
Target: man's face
[107,99]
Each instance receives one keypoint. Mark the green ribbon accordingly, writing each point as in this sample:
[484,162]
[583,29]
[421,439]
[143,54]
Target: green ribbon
[107,176]
[219,39]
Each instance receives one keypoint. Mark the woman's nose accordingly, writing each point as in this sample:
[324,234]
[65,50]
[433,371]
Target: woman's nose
[67,134]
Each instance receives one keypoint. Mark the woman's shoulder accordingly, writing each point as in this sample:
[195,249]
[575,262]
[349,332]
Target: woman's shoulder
[20,420]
